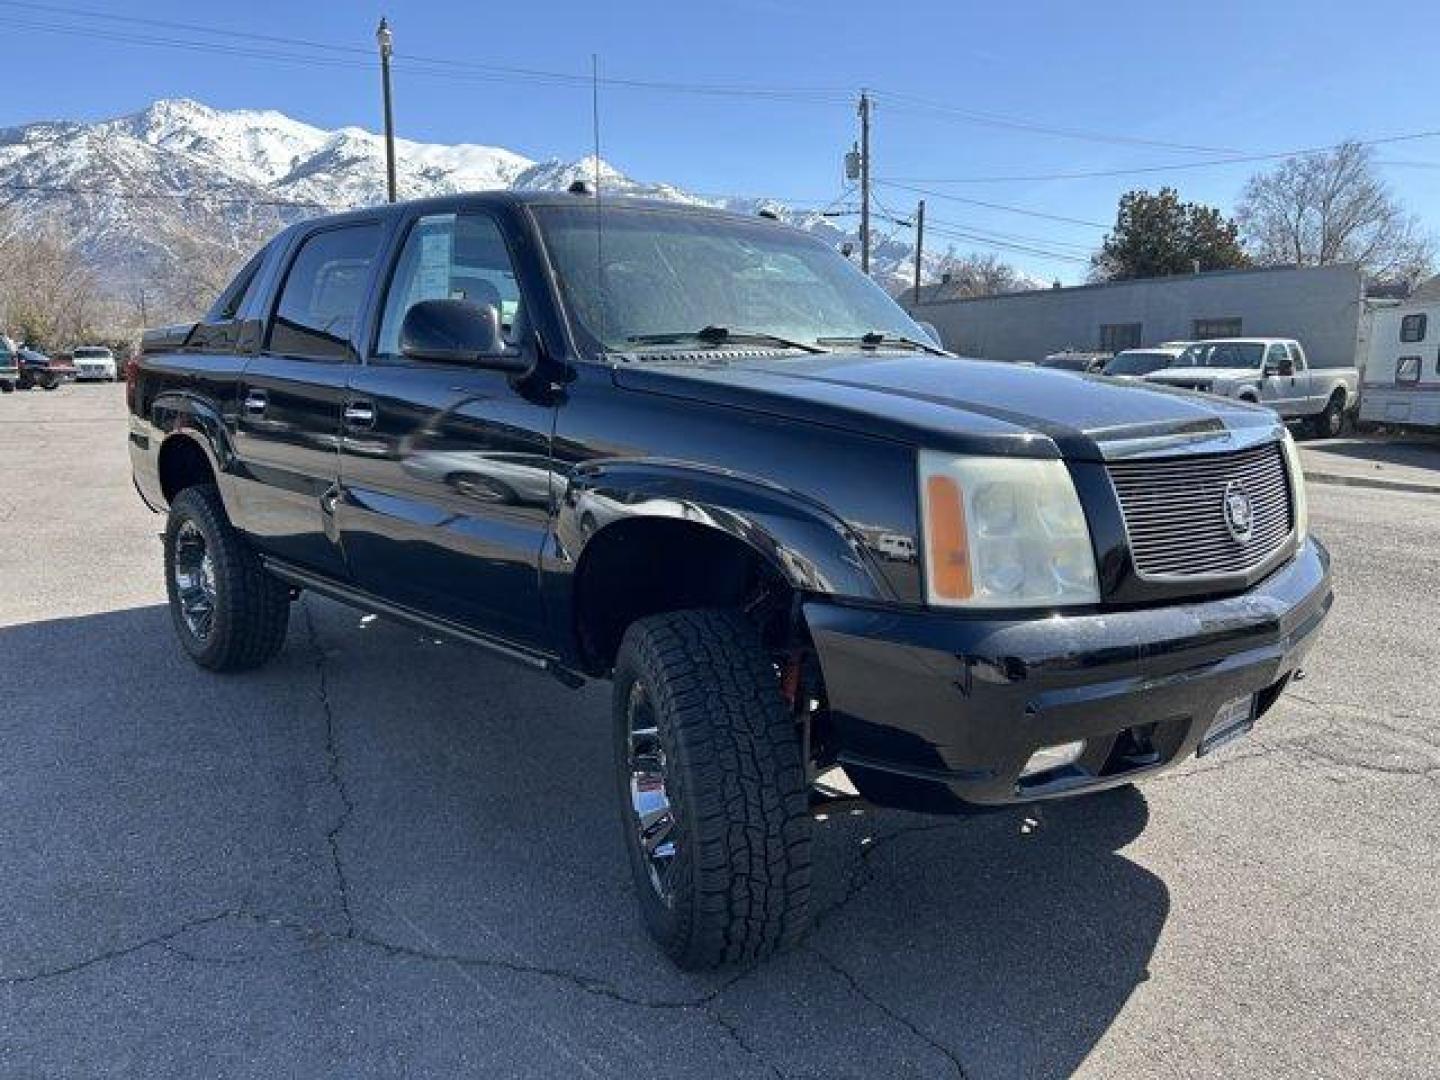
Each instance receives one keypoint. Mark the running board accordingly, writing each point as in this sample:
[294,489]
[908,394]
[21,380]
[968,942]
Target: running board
[357,598]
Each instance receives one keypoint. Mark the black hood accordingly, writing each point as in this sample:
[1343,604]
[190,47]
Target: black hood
[946,402]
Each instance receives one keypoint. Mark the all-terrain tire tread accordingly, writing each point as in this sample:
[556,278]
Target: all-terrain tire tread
[252,612]
[738,775]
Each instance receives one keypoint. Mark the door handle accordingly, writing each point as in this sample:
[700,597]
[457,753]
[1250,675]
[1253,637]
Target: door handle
[359,414]
[255,402]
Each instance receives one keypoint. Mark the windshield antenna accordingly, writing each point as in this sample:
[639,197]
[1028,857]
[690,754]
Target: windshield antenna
[599,217]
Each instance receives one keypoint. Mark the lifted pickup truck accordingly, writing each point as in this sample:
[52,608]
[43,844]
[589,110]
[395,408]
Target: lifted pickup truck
[701,456]
[1268,371]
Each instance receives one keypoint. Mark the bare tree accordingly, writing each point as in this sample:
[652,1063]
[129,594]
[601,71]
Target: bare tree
[979,274]
[1332,207]
[47,293]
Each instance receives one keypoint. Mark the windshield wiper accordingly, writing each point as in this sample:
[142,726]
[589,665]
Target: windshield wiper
[722,335]
[875,339]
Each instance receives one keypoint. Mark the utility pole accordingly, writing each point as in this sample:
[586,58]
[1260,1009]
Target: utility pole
[919,245]
[384,39]
[864,182]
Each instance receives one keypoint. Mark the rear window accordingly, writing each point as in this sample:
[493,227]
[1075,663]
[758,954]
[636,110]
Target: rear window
[325,286]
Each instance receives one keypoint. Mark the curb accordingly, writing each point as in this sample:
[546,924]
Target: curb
[1344,480]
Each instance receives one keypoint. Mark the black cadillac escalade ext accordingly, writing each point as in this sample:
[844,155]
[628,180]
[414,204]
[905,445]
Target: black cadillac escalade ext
[703,457]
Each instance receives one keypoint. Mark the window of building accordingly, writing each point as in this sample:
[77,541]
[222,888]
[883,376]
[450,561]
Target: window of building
[323,292]
[1117,337]
[1407,369]
[1204,329]
[1412,327]
[455,257]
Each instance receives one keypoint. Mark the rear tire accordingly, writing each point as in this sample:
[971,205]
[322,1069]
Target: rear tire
[229,613]
[1330,423]
[7,387]
[712,789]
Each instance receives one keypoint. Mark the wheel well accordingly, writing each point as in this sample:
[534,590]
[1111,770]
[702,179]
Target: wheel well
[636,568]
[1250,396]
[182,464]
[1338,392]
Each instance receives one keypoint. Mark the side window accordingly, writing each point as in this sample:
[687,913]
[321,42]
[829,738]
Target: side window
[1298,355]
[1202,329]
[454,256]
[1275,357]
[1117,337]
[324,288]
[233,298]
[1412,327]
[1407,369]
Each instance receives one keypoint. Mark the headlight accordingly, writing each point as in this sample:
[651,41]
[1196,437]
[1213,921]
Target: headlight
[1004,532]
[1297,486]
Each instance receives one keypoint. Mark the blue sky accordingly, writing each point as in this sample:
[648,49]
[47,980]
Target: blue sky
[1252,78]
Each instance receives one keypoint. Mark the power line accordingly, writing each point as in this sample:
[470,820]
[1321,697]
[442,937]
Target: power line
[1177,166]
[362,57]
[157,196]
[984,238]
[909,102]
[992,206]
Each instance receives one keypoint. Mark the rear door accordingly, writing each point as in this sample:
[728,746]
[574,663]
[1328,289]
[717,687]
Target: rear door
[446,469]
[292,392]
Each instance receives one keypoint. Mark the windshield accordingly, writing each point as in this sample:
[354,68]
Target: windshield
[1223,354]
[1138,363]
[89,352]
[669,273]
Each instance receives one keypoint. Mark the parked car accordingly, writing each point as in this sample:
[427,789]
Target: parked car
[37,369]
[1402,370]
[1075,361]
[792,533]
[1268,371]
[9,365]
[94,363]
[1133,363]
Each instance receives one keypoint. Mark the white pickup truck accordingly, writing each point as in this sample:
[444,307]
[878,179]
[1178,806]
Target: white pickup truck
[1268,371]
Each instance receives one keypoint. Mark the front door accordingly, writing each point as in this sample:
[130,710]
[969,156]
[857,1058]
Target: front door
[292,394]
[1280,391]
[445,469]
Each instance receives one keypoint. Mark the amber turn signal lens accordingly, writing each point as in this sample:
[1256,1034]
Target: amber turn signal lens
[948,541]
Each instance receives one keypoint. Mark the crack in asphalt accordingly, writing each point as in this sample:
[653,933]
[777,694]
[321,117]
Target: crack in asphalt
[333,771]
[119,952]
[899,1018]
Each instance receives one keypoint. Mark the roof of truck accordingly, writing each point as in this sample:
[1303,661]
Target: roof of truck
[537,198]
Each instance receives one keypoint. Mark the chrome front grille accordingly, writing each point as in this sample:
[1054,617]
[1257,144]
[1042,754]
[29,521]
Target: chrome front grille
[1177,517]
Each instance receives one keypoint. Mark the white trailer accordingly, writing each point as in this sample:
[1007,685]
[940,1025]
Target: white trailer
[1401,379]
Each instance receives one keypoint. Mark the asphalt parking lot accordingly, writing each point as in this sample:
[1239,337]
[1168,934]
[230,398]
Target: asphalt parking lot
[385,856]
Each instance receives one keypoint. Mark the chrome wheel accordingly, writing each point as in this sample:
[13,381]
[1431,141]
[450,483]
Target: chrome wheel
[194,574]
[652,816]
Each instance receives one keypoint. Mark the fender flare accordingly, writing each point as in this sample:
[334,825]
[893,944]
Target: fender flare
[810,547]
[178,414]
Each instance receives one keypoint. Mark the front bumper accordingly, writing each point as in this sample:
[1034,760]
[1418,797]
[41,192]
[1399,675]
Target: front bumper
[940,711]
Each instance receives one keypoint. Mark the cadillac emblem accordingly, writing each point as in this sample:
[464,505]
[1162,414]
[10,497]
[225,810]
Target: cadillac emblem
[1239,516]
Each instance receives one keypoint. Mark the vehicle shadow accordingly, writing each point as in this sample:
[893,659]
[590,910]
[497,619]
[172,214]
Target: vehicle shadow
[1416,452]
[377,789]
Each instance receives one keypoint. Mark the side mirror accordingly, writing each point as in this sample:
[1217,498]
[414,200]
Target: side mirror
[1287,367]
[458,332]
[932,331]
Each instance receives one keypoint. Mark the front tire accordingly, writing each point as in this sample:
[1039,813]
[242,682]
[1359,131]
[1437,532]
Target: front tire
[712,787]
[229,613]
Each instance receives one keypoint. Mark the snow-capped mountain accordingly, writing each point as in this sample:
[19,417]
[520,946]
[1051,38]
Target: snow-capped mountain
[141,195]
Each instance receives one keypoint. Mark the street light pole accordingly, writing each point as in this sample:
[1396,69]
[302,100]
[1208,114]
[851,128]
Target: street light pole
[383,38]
